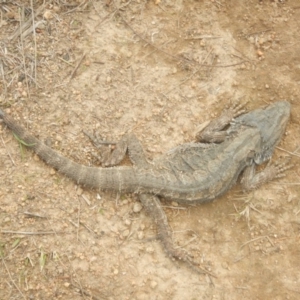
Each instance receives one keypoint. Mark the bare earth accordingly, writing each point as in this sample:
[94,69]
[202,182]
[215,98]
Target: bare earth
[159,69]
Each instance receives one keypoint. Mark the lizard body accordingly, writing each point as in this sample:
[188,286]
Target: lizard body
[190,173]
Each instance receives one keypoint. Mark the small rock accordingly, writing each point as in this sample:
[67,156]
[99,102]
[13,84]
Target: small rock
[41,25]
[127,222]
[67,284]
[59,138]
[126,233]
[137,207]
[225,265]
[153,284]
[48,15]
[260,53]
[56,8]
[149,250]
[116,271]
[140,235]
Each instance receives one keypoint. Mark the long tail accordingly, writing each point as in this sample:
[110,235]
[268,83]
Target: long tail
[102,178]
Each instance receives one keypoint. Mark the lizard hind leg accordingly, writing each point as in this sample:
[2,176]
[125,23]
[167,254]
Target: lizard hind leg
[151,203]
[128,143]
[112,157]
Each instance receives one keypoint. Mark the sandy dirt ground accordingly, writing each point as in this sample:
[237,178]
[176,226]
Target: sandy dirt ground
[159,69]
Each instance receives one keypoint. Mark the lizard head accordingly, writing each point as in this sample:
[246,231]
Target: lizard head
[271,122]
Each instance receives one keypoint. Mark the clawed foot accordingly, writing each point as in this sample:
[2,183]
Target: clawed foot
[97,140]
[214,132]
[235,110]
[278,169]
[104,147]
[180,255]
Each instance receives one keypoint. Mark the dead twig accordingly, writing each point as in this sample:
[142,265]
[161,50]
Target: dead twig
[34,39]
[16,286]
[255,239]
[78,219]
[7,152]
[65,61]
[292,153]
[202,37]
[24,28]
[77,66]
[29,232]
[30,215]
[23,58]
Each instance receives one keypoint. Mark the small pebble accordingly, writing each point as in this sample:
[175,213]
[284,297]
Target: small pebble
[153,284]
[137,207]
[140,235]
[127,222]
[225,265]
[59,138]
[149,250]
[48,15]
[260,53]
[126,233]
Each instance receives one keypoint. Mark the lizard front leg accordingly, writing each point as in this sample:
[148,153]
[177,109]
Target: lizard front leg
[213,132]
[252,180]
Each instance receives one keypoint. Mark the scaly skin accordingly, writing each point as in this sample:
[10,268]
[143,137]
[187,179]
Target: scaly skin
[188,173]
[193,172]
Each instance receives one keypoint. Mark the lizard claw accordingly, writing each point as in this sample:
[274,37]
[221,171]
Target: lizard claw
[280,168]
[236,109]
